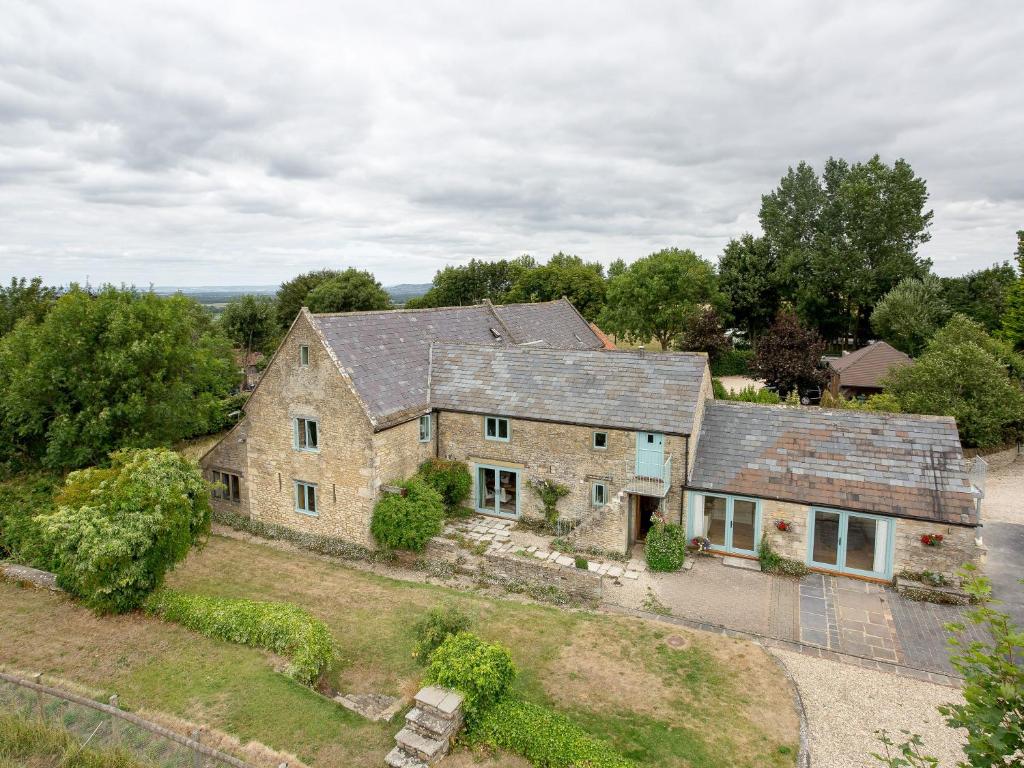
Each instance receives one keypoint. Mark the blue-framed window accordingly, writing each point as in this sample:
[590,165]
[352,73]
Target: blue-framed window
[498,490]
[306,498]
[599,441]
[857,543]
[303,355]
[425,428]
[730,523]
[598,494]
[307,434]
[497,428]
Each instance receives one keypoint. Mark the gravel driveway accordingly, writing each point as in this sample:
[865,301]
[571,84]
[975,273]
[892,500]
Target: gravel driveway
[845,704]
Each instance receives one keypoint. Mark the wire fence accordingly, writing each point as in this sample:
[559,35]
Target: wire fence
[107,726]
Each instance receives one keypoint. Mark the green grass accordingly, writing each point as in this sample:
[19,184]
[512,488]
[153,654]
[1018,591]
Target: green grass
[700,704]
[27,743]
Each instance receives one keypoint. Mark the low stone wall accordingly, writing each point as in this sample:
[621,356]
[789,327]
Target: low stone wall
[22,574]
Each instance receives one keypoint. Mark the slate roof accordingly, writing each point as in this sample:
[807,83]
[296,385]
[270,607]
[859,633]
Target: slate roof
[868,365]
[601,388]
[386,354]
[894,464]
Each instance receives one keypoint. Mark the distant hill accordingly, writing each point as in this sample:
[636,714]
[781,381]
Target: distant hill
[216,296]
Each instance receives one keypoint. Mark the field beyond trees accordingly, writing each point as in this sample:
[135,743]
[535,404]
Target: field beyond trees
[662,696]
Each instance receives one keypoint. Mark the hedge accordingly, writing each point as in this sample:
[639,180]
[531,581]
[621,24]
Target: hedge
[279,627]
[734,362]
[482,672]
[544,737]
[409,521]
[665,549]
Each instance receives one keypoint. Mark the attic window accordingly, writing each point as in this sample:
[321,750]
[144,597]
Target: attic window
[495,333]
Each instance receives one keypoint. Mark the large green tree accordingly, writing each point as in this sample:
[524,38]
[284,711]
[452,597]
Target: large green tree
[910,314]
[466,284]
[656,295]
[112,370]
[251,323]
[982,294]
[353,290]
[564,275]
[1013,314]
[788,355]
[291,296]
[24,298]
[748,276]
[845,239]
[966,374]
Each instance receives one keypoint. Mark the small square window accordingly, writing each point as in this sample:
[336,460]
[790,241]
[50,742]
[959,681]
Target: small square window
[303,355]
[307,437]
[496,428]
[600,440]
[599,494]
[305,498]
[425,428]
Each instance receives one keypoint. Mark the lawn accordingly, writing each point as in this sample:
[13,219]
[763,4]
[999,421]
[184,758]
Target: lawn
[661,695]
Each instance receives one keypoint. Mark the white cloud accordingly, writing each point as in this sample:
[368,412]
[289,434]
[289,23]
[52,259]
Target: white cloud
[242,142]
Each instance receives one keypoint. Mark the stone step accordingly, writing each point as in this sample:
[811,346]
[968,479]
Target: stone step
[399,758]
[439,701]
[741,562]
[422,746]
[431,725]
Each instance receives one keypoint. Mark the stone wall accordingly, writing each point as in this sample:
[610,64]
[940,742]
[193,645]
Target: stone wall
[707,392]
[230,455]
[342,468]
[398,452]
[580,585]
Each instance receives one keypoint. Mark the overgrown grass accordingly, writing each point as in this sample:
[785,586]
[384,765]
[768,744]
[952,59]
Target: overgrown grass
[28,743]
[711,711]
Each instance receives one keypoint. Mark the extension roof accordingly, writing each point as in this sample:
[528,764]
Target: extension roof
[387,354]
[868,365]
[602,388]
[896,464]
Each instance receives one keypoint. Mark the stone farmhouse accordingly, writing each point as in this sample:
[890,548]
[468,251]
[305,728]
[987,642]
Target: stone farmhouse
[528,392]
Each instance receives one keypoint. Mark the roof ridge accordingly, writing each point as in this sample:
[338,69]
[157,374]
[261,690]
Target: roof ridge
[400,310]
[856,412]
[531,346]
[493,312]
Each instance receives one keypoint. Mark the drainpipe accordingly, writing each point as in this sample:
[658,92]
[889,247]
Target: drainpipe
[437,435]
[686,478]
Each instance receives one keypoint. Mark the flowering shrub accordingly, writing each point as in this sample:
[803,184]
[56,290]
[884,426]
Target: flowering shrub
[782,525]
[665,549]
[931,539]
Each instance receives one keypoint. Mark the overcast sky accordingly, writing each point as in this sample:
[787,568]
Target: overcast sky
[213,143]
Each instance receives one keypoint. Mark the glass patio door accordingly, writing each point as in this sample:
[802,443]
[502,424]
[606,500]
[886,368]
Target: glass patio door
[497,491]
[851,542]
[730,524]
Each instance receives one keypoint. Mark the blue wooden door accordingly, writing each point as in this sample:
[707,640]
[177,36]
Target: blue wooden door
[650,454]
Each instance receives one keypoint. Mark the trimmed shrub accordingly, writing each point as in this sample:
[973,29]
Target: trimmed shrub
[544,737]
[733,362]
[752,395]
[409,521]
[279,627]
[116,532]
[482,672]
[449,478]
[665,549]
[436,626]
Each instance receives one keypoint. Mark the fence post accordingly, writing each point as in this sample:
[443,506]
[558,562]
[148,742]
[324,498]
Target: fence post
[38,680]
[197,758]
[115,726]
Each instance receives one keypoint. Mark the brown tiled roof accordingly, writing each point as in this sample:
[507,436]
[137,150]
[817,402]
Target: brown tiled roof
[630,390]
[608,343]
[386,354]
[868,365]
[893,464]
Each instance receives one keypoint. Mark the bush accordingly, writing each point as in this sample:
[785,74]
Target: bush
[117,531]
[409,521]
[543,737]
[753,395]
[449,478]
[436,626]
[581,562]
[772,562]
[665,549]
[279,627]
[733,362]
[719,390]
[22,499]
[482,672]
[549,492]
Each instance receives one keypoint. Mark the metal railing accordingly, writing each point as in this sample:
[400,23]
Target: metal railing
[106,725]
[648,485]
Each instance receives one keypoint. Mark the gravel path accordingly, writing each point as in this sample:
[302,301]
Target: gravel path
[846,704]
[1004,489]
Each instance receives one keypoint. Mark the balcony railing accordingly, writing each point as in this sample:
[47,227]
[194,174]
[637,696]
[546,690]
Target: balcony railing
[648,484]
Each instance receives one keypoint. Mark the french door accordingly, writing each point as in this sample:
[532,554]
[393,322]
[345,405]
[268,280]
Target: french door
[731,524]
[850,542]
[497,491]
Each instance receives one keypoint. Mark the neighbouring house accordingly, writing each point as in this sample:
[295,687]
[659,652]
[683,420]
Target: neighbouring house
[524,393]
[860,373]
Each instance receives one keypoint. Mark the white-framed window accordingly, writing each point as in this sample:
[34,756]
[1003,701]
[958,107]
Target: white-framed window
[307,435]
[599,441]
[226,486]
[598,494]
[303,355]
[305,498]
[425,428]
[496,428]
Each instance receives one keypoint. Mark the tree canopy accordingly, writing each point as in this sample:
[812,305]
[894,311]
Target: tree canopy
[910,314]
[24,298]
[704,333]
[1013,314]
[251,323]
[748,275]
[471,283]
[788,355]
[564,275]
[353,290]
[656,295]
[981,295]
[113,370]
[291,296]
